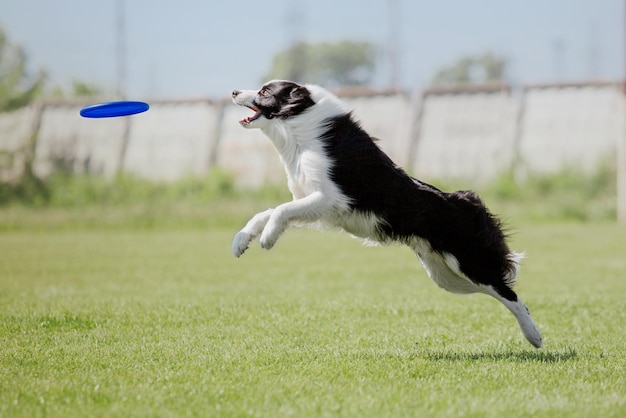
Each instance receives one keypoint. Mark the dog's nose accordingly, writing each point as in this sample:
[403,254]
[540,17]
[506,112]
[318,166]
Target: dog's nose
[236,93]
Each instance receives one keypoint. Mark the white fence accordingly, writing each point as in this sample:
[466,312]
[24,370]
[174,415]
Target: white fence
[470,133]
[570,125]
[467,134]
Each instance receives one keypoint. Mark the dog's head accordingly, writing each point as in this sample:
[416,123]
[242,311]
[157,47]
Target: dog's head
[277,99]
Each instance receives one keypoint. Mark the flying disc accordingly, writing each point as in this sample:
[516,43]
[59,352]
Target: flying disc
[113,109]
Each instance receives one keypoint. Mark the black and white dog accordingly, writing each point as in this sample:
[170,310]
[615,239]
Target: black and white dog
[340,178]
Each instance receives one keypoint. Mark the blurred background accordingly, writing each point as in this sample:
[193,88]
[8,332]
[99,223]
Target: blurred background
[522,101]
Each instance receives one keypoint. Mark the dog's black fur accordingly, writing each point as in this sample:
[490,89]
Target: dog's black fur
[408,207]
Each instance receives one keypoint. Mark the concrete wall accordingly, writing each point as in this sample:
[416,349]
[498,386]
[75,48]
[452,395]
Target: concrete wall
[473,134]
[246,153]
[388,118]
[16,136]
[65,140]
[466,134]
[570,125]
[172,140]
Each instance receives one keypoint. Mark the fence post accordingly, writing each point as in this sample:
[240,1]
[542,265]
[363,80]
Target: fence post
[124,146]
[621,170]
[417,99]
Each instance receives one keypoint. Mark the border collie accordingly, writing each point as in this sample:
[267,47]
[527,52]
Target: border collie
[340,178]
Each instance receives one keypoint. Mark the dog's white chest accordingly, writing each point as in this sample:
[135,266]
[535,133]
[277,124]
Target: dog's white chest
[298,181]
[307,172]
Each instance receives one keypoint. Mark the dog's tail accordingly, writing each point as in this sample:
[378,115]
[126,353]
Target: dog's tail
[513,260]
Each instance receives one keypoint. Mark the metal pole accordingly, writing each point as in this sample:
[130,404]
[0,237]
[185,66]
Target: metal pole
[120,48]
[393,9]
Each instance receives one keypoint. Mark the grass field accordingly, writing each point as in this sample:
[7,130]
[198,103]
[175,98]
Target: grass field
[166,322]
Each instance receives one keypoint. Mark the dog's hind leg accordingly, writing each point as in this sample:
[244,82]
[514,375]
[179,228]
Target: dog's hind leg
[249,232]
[443,269]
[521,313]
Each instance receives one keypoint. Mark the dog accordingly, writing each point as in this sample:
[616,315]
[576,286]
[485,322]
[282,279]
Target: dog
[339,177]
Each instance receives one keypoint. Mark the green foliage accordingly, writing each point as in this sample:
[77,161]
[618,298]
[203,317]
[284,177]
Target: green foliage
[83,201]
[30,191]
[71,201]
[66,190]
[82,89]
[168,323]
[473,69]
[17,89]
[567,195]
[329,64]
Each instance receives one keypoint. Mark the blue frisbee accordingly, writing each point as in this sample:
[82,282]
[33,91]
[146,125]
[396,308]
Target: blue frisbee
[114,109]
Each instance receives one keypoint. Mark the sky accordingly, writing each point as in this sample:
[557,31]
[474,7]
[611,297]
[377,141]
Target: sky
[206,48]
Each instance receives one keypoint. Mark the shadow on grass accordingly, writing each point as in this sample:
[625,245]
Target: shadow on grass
[522,356]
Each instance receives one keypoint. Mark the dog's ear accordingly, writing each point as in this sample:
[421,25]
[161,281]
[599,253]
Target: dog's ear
[299,100]
[299,92]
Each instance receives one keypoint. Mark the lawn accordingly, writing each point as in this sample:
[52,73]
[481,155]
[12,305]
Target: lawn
[166,322]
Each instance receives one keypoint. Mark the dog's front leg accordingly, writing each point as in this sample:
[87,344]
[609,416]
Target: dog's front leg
[307,209]
[249,232]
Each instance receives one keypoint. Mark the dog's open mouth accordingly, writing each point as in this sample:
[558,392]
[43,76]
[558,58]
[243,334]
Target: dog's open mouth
[248,119]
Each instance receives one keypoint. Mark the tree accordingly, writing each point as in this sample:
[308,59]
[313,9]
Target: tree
[16,88]
[329,64]
[473,69]
[79,89]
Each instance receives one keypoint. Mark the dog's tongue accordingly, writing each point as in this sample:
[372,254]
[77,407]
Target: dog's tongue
[249,119]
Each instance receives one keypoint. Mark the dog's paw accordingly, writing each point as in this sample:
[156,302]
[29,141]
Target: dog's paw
[267,241]
[270,235]
[241,243]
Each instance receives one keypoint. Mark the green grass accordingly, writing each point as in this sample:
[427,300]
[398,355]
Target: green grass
[166,322]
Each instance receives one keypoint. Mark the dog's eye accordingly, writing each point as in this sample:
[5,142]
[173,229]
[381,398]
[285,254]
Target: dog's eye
[264,93]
